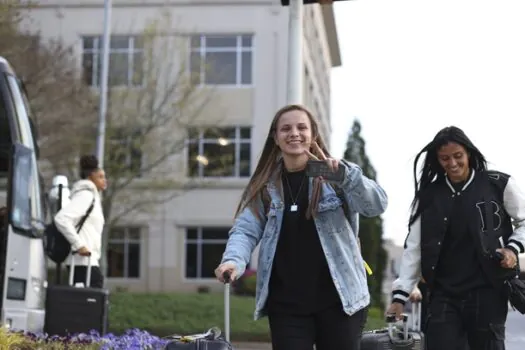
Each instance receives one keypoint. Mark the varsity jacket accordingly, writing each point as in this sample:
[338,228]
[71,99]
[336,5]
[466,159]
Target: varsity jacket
[496,219]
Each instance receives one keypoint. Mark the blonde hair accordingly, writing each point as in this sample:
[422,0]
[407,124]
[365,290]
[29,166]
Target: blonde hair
[269,162]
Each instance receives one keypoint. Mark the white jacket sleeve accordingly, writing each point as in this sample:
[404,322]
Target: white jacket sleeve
[514,202]
[410,267]
[70,215]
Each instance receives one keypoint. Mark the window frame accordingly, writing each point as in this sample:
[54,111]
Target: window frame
[95,52]
[237,141]
[126,241]
[123,139]
[199,242]
[239,49]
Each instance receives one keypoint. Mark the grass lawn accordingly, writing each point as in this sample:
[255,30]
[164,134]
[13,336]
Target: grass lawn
[184,313]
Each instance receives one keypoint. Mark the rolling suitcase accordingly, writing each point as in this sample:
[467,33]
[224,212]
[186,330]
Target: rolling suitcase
[71,309]
[212,339]
[391,338]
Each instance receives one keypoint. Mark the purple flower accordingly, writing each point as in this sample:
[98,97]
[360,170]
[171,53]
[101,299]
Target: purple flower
[132,339]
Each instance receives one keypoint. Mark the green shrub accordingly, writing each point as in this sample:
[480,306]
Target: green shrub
[164,314]
[184,313]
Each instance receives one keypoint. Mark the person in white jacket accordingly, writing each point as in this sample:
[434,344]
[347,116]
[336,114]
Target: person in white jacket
[88,241]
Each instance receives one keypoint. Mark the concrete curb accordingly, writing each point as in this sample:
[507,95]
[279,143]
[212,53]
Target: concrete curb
[252,346]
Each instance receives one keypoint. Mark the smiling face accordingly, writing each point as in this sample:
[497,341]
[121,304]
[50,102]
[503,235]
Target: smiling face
[454,159]
[293,134]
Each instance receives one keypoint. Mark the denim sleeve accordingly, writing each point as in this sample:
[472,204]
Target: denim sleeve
[244,236]
[363,195]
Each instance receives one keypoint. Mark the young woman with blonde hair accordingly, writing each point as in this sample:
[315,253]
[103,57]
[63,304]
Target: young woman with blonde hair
[311,280]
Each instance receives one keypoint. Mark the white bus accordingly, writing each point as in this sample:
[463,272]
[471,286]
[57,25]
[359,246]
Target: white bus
[23,264]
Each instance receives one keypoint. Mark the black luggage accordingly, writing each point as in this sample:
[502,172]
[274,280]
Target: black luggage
[391,338]
[212,339]
[71,309]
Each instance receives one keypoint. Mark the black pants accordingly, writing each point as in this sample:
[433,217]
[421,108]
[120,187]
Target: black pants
[330,329]
[97,280]
[479,317]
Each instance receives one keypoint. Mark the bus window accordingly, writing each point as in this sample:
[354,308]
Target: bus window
[5,140]
[23,117]
[34,131]
[37,213]
[21,201]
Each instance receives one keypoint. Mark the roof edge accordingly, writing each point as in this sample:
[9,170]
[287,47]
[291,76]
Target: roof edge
[331,34]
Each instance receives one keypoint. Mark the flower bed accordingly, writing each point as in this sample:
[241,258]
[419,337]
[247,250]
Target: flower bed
[133,339]
[162,314]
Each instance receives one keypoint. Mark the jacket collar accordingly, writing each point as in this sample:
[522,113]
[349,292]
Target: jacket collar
[469,181]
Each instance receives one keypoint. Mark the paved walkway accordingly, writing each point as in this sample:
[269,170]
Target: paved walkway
[252,346]
[515,335]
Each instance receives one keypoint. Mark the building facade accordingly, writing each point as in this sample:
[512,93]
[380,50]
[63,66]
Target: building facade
[177,244]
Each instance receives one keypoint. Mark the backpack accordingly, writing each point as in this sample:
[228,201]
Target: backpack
[57,246]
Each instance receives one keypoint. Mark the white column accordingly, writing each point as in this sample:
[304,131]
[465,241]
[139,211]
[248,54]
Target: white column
[103,81]
[295,53]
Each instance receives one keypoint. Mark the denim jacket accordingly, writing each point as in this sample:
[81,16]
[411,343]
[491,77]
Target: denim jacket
[338,236]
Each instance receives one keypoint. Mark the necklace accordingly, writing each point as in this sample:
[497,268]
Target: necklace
[294,206]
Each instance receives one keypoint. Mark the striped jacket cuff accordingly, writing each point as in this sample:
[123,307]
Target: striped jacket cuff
[399,296]
[516,247]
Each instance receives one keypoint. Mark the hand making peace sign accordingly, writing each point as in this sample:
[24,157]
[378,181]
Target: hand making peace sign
[332,163]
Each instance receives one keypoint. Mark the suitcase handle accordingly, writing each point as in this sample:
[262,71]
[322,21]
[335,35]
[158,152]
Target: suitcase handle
[211,334]
[416,316]
[72,270]
[390,320]
[227,277]
[227,280]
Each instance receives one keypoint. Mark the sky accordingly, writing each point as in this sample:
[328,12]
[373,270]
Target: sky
[413,67]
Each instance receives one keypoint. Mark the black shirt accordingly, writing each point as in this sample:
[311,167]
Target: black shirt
[300,281]
[458,269]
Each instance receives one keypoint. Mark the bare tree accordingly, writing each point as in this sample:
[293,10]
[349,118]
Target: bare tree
[10,18]
[63,107]
[148,120]
[153,103]
[147,123]
[61,104]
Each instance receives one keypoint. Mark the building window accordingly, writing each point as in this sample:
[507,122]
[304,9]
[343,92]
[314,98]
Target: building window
[124,151]
[204,249]
[221,59]
[126,56]
[219,152]
[124,252]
